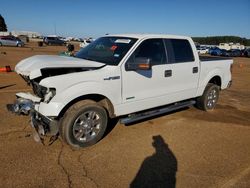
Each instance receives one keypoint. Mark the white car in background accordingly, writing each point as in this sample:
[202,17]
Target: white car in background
[85,43]
[202,50]
[10,41]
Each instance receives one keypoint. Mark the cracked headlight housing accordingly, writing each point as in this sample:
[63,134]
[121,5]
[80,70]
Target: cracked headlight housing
[46,94]
[49,94]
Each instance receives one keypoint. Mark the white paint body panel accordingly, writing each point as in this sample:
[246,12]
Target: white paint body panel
[29,96]
[133,91]
[32,66]
[71,86]
[214,68]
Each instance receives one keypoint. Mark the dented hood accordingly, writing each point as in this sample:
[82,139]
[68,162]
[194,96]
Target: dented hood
[32,66]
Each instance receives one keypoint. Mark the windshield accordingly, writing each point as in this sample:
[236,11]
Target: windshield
[108,50]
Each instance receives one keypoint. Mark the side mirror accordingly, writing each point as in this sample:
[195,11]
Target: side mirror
[140,63]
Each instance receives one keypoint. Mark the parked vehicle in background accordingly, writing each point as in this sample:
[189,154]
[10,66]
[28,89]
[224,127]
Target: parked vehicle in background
[235,53]
[202,50]
[207,49]
[23,38]
[215,51]
[242,52]
[231,46]
[225,53]
[127,76]
[78,39]
[84,43]
[53,41]
[10,41]
[247,52]
[231,53]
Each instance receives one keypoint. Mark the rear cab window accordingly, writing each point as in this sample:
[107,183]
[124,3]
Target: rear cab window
[179,51]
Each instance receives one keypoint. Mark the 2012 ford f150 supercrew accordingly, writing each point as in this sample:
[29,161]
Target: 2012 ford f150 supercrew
[131,76]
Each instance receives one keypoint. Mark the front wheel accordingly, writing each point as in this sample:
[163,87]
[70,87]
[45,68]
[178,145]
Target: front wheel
[209,98]
[83,124]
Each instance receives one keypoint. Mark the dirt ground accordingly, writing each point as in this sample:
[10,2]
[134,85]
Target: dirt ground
[188,148]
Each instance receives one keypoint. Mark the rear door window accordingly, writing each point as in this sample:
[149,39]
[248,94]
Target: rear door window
[179,51]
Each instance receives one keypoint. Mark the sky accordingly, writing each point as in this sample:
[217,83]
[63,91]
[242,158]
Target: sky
[93,18]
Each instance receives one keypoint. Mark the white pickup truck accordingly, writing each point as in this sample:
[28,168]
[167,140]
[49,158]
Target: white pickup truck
[130,76]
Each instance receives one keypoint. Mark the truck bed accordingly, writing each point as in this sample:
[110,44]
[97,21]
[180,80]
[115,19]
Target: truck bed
[212,58]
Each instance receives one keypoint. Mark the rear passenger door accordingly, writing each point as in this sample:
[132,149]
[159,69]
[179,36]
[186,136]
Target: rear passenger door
[182,69]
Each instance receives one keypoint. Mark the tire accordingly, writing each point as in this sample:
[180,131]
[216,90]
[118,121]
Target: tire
[83,124]
[209,98]
[19,45]
[0,44]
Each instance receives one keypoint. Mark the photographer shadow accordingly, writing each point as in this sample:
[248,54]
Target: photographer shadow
[158,170]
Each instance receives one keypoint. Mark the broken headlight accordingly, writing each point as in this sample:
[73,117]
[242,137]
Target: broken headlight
[39,90]
[46,94]
[49,94]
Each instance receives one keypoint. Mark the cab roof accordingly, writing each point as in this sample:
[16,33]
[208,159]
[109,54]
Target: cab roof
[142,36]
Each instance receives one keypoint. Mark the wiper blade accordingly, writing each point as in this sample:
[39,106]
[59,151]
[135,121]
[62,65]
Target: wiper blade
[84,58]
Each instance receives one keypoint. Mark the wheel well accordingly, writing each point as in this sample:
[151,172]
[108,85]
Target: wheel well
[215,80]
[100,99]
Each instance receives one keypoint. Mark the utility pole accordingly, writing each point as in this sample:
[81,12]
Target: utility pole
[55,28]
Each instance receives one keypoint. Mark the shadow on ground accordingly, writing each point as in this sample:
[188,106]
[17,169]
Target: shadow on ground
[158,170]
[2,87]
[222,114]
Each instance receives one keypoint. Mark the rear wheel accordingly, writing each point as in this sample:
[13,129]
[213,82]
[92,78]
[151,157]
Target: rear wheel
[83,124]
[0,44]
[209,98]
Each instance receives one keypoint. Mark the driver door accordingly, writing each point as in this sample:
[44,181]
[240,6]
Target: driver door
[140,85]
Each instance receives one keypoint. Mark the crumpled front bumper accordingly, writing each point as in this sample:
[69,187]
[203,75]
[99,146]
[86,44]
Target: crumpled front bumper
[43,126]
[25,105]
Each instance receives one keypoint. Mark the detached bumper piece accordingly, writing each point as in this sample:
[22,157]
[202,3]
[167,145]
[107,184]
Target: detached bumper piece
[21,106]
[44,126]
[24,103]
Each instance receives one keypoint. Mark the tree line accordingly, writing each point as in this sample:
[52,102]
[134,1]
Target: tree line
[215,40]
[3,26]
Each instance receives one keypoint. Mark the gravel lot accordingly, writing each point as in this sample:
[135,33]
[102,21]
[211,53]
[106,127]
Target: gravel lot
[188,148]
